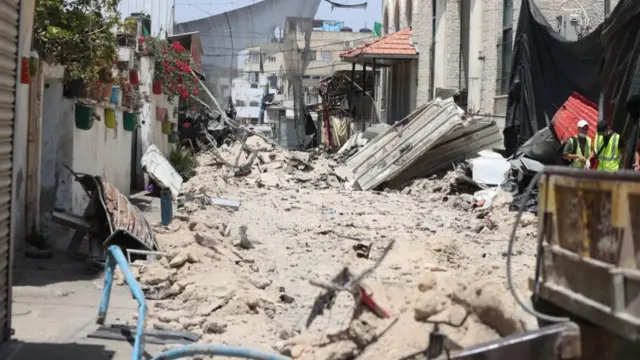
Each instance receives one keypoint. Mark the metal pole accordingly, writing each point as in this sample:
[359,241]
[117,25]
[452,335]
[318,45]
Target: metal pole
[607,8]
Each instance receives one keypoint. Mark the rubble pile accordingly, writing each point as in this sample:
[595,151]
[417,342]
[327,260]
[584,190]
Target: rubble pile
[258,163]
[233,268]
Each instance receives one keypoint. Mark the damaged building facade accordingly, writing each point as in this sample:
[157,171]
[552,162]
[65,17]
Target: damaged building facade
[466,46]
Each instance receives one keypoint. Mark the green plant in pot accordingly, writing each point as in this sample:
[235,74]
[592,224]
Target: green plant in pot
[184,161]
[77,35]
[172,69]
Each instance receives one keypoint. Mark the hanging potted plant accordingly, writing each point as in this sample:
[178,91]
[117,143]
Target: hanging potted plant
[84,116]
[157,87]
[129,121]
[161,113]
[174,137]
[173,75]
[110,120]
[134,77]
[166,127]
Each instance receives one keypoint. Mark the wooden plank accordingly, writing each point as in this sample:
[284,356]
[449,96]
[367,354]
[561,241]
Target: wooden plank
[34,152]
[73,221]
[80,234]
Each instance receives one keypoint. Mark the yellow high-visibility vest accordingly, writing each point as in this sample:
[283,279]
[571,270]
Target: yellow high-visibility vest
[609,157]
[587,151]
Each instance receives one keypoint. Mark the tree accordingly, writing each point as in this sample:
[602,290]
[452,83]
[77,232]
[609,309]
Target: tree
[79,34]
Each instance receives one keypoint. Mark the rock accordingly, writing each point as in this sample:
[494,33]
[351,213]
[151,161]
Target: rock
[155,275]
[206,240]
[269,179]
[252,302]
[286,299]
[196,225]
[244,242]
[260,282]
[429,304]
[188,323]
[171,316]
[527,219]
[362,333]
[304,157]
[496,308]
[214,327]
[427,282]
[341,350]
[285,334]
[182,258]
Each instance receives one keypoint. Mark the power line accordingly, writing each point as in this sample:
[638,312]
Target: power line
[281,50]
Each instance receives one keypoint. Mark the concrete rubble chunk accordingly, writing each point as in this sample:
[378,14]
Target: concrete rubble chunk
[430,303]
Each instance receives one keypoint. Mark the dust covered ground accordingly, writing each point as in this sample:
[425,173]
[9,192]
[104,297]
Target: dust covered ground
[448,259]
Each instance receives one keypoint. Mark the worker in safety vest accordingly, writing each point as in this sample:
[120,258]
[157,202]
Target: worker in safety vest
[578,148]
[608,148]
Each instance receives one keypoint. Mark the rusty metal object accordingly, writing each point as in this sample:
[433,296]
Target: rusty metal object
[559,341]
[590,253]
[125,219]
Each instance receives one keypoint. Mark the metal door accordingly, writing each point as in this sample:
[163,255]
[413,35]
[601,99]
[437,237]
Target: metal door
[9,19]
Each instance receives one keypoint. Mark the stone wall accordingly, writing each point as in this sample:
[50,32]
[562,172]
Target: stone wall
[487,59]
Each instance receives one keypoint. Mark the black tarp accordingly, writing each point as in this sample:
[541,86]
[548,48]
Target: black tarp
[546,69]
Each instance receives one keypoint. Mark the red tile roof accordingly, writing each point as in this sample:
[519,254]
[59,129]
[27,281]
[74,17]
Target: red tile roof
[397,43]
[576,108]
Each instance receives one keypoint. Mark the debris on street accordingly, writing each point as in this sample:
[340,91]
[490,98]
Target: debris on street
[293,232]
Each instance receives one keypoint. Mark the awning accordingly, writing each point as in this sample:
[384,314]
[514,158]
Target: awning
[389,50]
[192,42]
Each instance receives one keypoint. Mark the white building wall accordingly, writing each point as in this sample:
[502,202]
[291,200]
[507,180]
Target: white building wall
[99,151]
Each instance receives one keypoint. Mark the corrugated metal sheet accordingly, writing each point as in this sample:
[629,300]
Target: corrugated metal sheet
[475,136]
[565,121]
[125,217]
[405,143]
[159,168]
[9,19]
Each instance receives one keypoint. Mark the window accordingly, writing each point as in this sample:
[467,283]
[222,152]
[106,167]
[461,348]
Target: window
[271,59]
[254,58]
[326,56]
[505,49]
[254,103]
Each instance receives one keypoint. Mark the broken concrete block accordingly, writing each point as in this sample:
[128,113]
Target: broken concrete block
[429,304]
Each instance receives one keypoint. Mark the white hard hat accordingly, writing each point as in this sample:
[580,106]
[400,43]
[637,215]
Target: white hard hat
[582,123]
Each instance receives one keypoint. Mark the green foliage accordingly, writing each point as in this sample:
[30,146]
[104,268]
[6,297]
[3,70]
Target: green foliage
[79,34]
[184,161]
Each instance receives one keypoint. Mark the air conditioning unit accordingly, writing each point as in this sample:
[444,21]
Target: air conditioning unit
[348,44]
[569,26]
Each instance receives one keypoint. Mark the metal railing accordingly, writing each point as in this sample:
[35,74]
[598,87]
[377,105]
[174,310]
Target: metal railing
[115,257]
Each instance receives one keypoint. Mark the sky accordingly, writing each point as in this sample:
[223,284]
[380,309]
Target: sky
[356,19]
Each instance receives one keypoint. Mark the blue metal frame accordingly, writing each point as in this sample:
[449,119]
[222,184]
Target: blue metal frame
[223,350]
[115,256]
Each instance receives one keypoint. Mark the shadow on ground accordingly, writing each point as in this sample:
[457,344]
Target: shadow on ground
[18,350]
[60,268]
